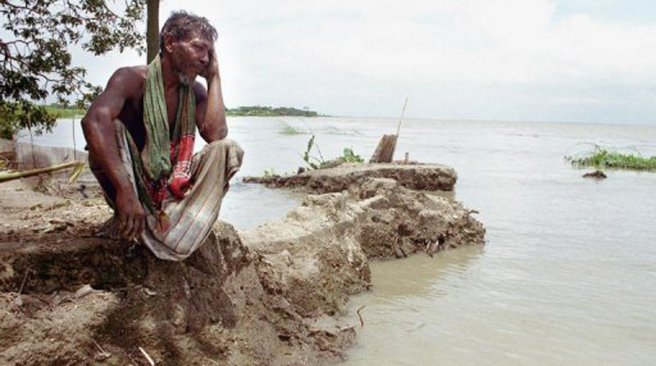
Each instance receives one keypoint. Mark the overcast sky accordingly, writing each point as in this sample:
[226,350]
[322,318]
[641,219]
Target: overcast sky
[534,60]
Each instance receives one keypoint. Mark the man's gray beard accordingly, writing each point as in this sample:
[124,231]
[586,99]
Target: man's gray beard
[185,80]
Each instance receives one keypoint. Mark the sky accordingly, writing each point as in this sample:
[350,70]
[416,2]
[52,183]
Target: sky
[511,60]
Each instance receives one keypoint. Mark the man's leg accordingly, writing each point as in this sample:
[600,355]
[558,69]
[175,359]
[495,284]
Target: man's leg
[191,219]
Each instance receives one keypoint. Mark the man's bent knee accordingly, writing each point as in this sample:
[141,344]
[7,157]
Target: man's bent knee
[221,144]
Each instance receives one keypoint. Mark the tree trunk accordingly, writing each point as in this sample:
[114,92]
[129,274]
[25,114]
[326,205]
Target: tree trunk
[152,30]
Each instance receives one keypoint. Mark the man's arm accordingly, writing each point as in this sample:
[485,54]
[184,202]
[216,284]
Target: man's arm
[210,111]
[100,134]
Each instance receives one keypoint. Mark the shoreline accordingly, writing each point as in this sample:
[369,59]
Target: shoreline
[282,287]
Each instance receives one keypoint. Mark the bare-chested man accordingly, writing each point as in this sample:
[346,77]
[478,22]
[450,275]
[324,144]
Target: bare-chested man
[140,133]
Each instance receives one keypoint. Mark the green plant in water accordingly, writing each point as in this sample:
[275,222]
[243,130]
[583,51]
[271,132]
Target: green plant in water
[287,129]
[306,155]
[601,157]
[348,156]
[269,173]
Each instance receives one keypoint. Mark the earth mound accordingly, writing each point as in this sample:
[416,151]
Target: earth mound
[273,295]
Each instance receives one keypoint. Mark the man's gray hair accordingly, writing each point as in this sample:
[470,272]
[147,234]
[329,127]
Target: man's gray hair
[182,24]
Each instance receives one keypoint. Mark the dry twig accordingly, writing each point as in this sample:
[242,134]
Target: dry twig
[150,360]
[103,352]
[22,286]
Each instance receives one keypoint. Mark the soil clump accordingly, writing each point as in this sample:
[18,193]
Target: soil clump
[597,174]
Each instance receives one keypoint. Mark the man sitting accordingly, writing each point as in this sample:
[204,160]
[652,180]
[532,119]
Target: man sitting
[140,133]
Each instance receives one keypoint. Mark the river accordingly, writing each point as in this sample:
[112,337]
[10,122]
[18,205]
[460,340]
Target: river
[568,274]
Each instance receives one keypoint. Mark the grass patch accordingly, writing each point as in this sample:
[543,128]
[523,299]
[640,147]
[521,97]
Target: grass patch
[61,112]
[602,158]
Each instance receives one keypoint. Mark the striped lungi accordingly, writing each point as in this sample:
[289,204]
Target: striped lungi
[190,219]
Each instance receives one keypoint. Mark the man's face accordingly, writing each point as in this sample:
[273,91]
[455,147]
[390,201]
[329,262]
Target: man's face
[190,56]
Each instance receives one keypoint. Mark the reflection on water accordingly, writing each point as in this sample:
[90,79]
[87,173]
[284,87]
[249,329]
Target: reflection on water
[568,275]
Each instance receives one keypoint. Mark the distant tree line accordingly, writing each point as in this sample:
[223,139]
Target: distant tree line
[265,111]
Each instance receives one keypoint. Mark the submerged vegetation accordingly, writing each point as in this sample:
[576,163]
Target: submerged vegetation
[602,157]
[288,129]
[265,111]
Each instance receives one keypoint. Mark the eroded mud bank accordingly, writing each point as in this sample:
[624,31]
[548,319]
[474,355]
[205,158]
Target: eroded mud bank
[273,295]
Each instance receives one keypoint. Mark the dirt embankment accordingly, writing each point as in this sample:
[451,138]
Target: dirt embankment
[274,295]
[430,177]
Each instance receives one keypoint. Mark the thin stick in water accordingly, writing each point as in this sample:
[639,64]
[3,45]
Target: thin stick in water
[360,315]
[398,128]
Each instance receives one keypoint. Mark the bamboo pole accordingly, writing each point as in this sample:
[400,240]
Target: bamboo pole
[7,176]
[398,127]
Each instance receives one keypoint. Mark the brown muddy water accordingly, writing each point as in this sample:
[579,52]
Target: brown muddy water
[568,274]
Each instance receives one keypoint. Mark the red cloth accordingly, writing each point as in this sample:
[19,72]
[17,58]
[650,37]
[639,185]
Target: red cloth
[179,182]
[181,178]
